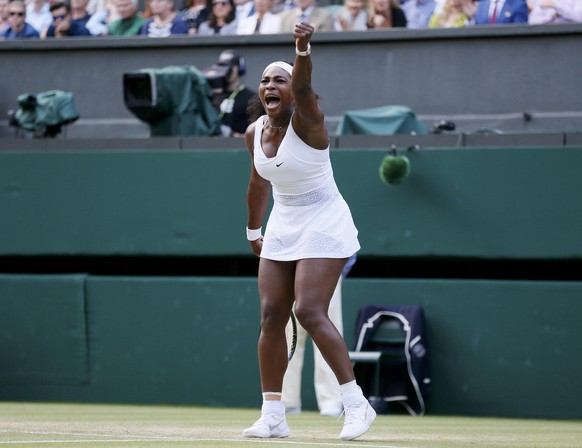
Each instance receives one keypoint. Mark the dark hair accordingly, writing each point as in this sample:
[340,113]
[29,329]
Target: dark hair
[59,5]
[255,109]
[229,18]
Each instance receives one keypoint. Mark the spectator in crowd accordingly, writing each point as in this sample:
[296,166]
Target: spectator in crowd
[18,28]
[39,16]
[418,12]
[454,14]
[263,21]
[552,11]
[63,24]
[79,11]
[306,11]
[98,24]
[244,8]
[164,22]
[283,5]
[222,19]
[352,17]
[94,6]
[385,14]
[501,12]
[4,22]
[195,12]
[129,22]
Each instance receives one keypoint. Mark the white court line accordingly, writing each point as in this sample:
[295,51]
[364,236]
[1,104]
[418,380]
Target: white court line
[134,438]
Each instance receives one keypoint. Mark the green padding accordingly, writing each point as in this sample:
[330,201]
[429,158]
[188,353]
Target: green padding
[178,340]
[484,203]
[385,120]
[43,334]
[496,348]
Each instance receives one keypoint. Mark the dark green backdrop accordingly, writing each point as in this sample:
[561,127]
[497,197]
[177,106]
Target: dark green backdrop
[490,203]
[497,347]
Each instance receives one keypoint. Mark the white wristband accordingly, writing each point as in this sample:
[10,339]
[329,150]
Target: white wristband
[303,53]
[254,234]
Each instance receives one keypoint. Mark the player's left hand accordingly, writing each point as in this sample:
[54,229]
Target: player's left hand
[302,34]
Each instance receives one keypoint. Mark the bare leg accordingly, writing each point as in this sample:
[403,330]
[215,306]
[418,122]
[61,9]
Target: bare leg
[315,281]
[276,290]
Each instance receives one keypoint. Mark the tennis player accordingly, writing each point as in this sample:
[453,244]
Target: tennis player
[309,236]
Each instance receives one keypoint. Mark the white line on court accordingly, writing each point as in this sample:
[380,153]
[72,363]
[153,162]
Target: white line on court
[110,438]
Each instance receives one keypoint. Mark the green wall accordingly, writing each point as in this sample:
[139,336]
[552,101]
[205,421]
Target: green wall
[496,348]
[505,348]
[487,203]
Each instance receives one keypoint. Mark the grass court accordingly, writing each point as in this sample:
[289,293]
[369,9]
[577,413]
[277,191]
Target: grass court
[104,426]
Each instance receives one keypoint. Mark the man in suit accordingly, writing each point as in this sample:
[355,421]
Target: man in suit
[306,11]
[499,12]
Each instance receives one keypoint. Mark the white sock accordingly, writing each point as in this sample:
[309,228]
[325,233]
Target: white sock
[272,406]
[351,393]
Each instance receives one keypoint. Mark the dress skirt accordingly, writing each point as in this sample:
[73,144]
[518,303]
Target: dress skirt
[317,224]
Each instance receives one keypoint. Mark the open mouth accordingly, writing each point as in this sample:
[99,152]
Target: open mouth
[272,100]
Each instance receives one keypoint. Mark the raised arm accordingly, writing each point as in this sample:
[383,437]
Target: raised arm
[308,119]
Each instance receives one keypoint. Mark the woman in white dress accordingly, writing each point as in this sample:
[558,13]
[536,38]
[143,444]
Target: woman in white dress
[308,238]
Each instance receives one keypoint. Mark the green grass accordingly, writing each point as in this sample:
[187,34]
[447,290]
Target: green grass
[104,426]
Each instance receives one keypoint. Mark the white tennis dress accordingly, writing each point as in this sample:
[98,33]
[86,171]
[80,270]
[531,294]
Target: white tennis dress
[309,218]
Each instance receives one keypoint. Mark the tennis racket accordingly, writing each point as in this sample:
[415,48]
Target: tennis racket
[291,335]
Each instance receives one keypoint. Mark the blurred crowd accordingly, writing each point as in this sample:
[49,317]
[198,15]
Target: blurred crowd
[162,18]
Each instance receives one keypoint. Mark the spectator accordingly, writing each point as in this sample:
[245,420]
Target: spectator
[244,8]
[94,6]
[129,22]
[79,11]
[386,14]
[196,12]
[283,5]
[4,23]
[18,28]
[263,21]
[306,11]
[63,24]
[501,12]
[222,19]
[39,16]
[454,14]
[98,24]
[418,12]
[552,11]
[164,22]
[352,17]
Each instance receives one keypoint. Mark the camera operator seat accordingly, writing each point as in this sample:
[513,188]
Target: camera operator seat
[173,101]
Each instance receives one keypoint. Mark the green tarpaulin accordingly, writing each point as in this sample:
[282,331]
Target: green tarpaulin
[385,120]
[183,103]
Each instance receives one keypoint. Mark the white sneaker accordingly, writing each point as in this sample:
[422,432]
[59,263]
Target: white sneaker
[331,411]
[269,425]
[358,420]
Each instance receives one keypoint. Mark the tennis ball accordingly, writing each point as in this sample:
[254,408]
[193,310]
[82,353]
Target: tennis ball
[394,169]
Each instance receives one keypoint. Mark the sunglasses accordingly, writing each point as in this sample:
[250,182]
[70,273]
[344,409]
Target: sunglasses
[61,17]
[20,14]
[218,2]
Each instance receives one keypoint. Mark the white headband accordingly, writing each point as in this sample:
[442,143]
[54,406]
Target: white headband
[287,67]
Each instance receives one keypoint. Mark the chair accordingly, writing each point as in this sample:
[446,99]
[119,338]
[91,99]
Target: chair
[385,348]
[390,357]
